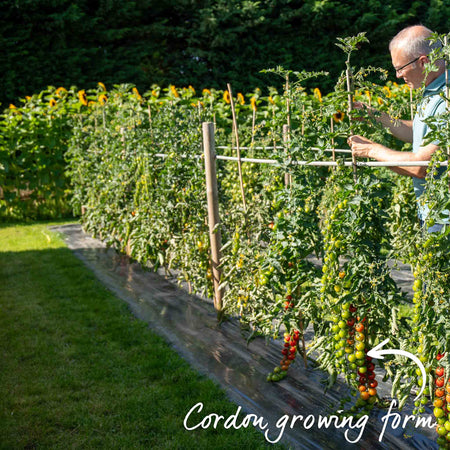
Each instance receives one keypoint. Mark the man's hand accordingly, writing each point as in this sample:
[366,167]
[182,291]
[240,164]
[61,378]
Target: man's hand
[361,146]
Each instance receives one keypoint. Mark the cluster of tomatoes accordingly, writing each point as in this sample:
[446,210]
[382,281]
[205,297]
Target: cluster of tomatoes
[442,405]
[349,334]
[289,352]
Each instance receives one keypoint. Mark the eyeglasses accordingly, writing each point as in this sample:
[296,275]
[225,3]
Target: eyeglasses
[407,64]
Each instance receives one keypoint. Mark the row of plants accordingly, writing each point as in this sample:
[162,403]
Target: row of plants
[137,177]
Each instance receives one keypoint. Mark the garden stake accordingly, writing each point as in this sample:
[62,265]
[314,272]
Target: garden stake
[150,119]
[332,139]
[238,151]
[447,93]
[213,213]
[287,176]
[350,109]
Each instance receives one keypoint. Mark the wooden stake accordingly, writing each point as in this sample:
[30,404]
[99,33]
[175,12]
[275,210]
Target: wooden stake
[213,212]
[332,139]
[447,93]
[287,176]
[349,111]
[150,120]
[238,151]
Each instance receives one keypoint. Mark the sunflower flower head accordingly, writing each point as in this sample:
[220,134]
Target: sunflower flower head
[174,91]
[317,94]
[60,92]
[206,92]
[338,116]
[136,93]
[253,103]
[387,91]
[82,97]
[52,103]
[226,97]
[380,101]
[240,98]
[155,93]
[368,95]
[192,89]
[102,98]
[271,100]
[101,86]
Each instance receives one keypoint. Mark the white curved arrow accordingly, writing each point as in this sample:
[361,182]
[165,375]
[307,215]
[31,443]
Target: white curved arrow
[377,353]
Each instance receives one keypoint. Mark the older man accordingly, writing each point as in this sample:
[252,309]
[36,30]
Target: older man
[409,53]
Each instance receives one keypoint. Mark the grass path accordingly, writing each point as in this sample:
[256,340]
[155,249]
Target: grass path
[77,370]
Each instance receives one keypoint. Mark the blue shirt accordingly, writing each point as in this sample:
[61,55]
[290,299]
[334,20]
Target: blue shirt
[432,104]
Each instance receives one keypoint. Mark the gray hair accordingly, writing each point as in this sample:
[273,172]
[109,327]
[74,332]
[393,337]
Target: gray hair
[414,41]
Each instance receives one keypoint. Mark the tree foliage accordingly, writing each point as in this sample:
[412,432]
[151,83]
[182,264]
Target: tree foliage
[203,43]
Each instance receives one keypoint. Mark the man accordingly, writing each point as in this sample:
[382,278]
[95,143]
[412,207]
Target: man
[409,53]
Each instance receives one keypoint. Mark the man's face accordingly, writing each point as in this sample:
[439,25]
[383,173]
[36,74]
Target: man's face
[411,70]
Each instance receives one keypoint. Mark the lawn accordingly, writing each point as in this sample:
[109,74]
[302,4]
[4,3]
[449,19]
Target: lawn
[77,370]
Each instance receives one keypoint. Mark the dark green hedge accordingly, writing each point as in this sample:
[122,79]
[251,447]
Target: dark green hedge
[203,43]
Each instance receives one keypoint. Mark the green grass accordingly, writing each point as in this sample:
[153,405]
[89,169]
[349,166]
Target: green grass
[77,370]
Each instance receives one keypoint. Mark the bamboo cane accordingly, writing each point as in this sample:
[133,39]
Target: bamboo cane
[213,213]
[350,109]
[447,93]
[287,177]
[238,150]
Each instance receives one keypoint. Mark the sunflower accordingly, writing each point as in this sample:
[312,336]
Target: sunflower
[226,96]
[60,91]
[206,92]
[52,103]
[155,93]
[338,116]
[174,91]
[317,94]
[102,98]
[271,100]
[240,98]
[11,106]
[91,103]
[253,103]
[192,89]
[387,91]
[368,95]
[380,101]
[101,86]
[136,93]
[82,97]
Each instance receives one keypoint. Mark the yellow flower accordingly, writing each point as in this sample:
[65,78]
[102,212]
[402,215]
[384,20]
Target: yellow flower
[155,93]
[318,94]
[387,91]
[338,116]
[102,98]
[192,89]
[206,92]
[60,91]
[368,95]
[27,97]
[11,106]
[174,91]
[253,103]
[52,103]
[136,93]
[91,103]
[240,98]
[271,100]
[380,101]
[226,96]
[82,97]
[101,85]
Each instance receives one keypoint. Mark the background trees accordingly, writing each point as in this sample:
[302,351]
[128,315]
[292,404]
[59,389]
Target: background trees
[204,43]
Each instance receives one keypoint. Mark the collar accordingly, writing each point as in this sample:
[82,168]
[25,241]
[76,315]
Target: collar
[435,86]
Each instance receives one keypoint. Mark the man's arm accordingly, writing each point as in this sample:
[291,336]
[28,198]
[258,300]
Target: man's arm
[401,129]
[365,148]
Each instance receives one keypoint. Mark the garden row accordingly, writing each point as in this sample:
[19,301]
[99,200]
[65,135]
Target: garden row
[136,171]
